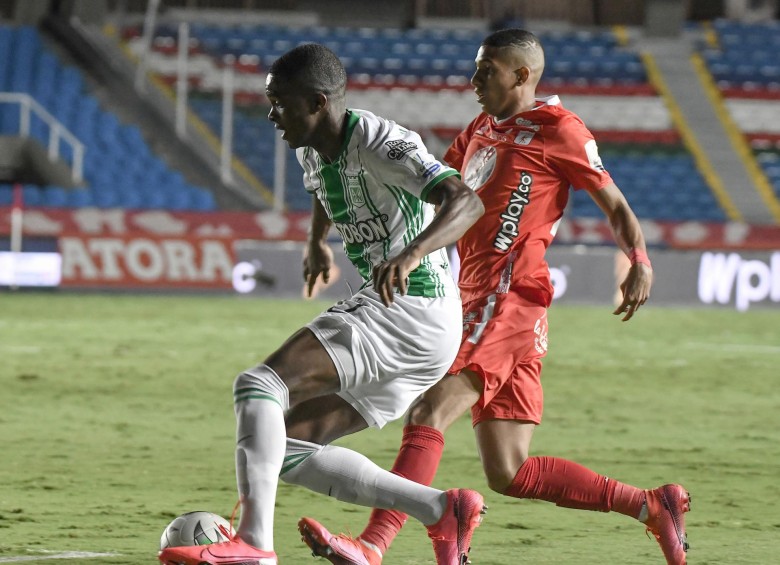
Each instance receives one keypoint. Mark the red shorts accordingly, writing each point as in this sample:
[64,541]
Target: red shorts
[504,340]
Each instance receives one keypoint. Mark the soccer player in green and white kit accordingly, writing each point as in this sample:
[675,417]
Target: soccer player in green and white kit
[372,354]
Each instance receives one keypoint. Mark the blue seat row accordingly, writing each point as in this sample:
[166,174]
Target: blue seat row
[458,36]
[746,53]
[576,56]
[770,164]
[108,197]
[658,185]
[119,167]
[745,72]
[254,143]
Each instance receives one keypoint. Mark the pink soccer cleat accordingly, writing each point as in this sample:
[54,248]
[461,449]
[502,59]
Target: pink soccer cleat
[340,549]
[232,552]
[666,508]
[451,535]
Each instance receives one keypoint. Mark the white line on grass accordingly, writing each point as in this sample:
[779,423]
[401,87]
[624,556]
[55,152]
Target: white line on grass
[747,347]
[21,348]
[63,555]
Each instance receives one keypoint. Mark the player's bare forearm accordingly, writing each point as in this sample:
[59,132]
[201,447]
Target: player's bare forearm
[320,223]
[458,208]
[624,223]
[628,235]
[317,256]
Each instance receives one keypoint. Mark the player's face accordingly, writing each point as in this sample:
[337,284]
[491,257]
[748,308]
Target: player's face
[292,112]
[496,81]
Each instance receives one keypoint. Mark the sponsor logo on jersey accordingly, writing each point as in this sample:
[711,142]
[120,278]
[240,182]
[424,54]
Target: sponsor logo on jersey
[540,335]
[430,169]
[524,137]
[425,169]
[506,274]
[399,148]
[365,231]
[592,151]
[498,136]
[355,192]
[510,218]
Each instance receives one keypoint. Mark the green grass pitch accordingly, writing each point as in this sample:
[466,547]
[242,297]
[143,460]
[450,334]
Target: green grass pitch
[116,415]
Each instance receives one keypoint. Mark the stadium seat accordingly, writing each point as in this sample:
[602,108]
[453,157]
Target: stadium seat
[79,198]
[6,194]
[31,195]
[54,196]
[115,153]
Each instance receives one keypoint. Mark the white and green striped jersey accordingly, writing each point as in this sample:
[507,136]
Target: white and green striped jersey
[373,192]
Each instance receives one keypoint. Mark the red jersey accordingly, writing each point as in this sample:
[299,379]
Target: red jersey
[521,168]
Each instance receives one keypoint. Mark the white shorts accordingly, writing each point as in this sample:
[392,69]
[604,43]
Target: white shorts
[387,357]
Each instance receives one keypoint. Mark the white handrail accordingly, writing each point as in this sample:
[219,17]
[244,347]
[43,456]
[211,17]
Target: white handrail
[57,130]
[228,78]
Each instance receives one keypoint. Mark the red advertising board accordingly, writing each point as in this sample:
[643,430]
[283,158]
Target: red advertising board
[281,226]
[54,222]
[161,249]
[146,262]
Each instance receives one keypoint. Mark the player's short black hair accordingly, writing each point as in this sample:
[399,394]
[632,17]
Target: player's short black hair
[312,66]
[512,37]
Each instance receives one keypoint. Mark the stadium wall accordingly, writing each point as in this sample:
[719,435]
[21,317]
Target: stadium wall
[709,264]
[580,275]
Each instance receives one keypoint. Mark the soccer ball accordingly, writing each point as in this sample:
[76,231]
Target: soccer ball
[196,528]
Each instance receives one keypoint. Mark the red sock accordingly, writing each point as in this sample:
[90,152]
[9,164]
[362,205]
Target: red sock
[571,485]
[417,460]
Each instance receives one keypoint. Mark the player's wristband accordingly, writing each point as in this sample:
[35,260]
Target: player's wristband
[639,256]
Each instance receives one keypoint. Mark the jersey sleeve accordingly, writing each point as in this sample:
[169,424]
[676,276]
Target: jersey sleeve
[404,161]
[575,154]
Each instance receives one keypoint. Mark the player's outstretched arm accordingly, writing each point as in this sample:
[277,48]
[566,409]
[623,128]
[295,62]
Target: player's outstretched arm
[628,235]
[317,256]
[458,207]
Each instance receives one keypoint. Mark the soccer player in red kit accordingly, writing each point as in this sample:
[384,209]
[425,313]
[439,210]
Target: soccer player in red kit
[520,155]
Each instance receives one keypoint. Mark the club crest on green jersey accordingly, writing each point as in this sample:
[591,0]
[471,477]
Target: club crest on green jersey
[355,192]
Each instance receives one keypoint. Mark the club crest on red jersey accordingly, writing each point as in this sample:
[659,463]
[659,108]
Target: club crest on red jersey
[480,167]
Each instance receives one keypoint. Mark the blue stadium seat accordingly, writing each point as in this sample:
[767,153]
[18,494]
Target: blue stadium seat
[417,53]
[203,200]
[116,153]
[105,198]
[79,198]
[31,195]
[6,194]
[152,199]
[54,196]
[747,53]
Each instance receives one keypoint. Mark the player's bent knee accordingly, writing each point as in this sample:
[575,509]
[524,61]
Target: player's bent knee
[435,411]
[499,480]
[261,382]
[421,413]
[499,484]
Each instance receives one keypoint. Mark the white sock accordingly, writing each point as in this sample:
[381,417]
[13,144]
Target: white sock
[350,477]
[260,446]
